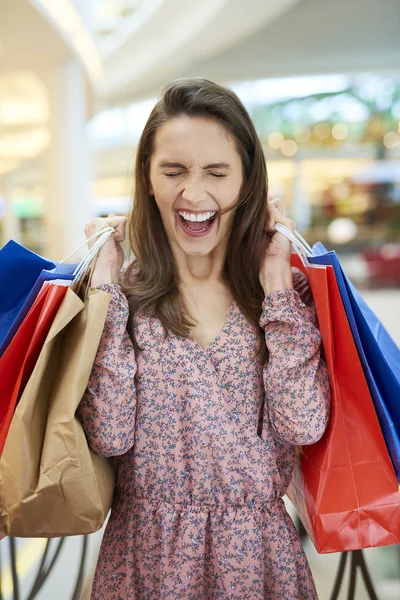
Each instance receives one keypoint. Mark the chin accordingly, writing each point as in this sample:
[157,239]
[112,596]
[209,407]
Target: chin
[204,251]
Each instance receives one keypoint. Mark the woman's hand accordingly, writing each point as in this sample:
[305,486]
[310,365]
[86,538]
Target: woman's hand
[275,272]
[111,256]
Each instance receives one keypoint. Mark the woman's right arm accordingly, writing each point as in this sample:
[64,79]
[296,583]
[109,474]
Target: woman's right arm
[107,409]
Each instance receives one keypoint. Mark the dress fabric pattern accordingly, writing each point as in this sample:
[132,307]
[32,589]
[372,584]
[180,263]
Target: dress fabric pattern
[198,511]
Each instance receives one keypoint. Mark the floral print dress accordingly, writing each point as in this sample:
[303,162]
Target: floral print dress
[198,511]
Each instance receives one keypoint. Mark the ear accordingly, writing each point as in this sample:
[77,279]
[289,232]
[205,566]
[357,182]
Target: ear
[151,190]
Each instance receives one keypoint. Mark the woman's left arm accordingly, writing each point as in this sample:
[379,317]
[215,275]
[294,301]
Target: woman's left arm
[295,376]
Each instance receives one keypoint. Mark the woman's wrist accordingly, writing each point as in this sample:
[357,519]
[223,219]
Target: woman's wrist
[278,276]
[104,276]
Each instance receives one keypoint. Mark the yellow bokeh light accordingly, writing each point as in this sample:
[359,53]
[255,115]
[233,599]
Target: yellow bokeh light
[340,131]
[276,139]
[391,140]
[302,135]
[289,148]
[322,131]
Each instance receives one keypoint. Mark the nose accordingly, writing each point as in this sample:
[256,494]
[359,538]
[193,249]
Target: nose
[194,191]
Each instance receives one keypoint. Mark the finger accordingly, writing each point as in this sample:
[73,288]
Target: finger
[277,203]
[278,217]
[119,224]
[97,224]
[93,227]
[273,203]
[270,227]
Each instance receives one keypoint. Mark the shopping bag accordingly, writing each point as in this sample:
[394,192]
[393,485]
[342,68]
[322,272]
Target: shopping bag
[22,274]
[51,483]
[344,487]
[19,358]
[378,353]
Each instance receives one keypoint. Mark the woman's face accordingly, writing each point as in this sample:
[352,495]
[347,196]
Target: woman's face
[195,173]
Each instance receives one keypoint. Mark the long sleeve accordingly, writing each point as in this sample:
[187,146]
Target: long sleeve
[107,409]
[295,376]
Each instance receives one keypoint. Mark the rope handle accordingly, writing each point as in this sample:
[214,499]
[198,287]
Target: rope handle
[84,265]
[298,242]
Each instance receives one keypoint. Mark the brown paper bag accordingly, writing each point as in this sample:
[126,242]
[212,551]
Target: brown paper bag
[51,483]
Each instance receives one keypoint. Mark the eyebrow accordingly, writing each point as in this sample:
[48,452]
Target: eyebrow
[178,165]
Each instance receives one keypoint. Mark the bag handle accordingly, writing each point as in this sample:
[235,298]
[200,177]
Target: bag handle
[92,237]
[298,242]
[84,265]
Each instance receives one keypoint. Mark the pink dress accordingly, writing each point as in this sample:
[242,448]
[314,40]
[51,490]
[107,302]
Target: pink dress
[198,511]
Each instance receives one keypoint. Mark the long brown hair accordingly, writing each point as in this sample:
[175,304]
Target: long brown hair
[151,281]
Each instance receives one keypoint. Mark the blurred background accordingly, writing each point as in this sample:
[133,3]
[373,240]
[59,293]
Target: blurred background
[321,80]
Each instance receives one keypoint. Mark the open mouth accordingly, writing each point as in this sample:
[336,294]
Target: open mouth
[197,224]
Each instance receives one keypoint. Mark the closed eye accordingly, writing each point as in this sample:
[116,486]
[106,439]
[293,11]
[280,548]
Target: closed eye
[212,174]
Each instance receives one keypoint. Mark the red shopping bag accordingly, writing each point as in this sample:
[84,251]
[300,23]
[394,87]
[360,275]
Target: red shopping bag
[19,359]
[344,487]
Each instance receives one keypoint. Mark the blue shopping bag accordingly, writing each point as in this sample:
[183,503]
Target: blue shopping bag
[378,353]
[22,274]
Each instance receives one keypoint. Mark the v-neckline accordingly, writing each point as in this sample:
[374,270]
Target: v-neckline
[220,333]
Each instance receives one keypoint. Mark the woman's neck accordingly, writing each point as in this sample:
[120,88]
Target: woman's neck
[200,270]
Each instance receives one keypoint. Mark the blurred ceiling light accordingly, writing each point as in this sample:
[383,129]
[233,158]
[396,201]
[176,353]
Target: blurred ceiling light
[110,10]
[116,21]
[21,107]
[391,140]
[7,165]
[340,131]
[302,135]
[322,131]
[342,230]
[289,148]
[69,22]
[23,99]
[24,145]
[276,139]
[16,112]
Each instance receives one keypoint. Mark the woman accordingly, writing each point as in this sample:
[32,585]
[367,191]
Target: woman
[204,385]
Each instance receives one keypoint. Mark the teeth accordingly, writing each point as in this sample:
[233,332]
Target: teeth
[199,217]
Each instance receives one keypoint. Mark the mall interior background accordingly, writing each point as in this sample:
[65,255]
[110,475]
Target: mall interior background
[321,80]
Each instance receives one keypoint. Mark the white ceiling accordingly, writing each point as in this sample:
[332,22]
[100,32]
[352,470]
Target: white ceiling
[27,40]
[146,43]
[179,34]
[316,36]
[230,40]
[114,21]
